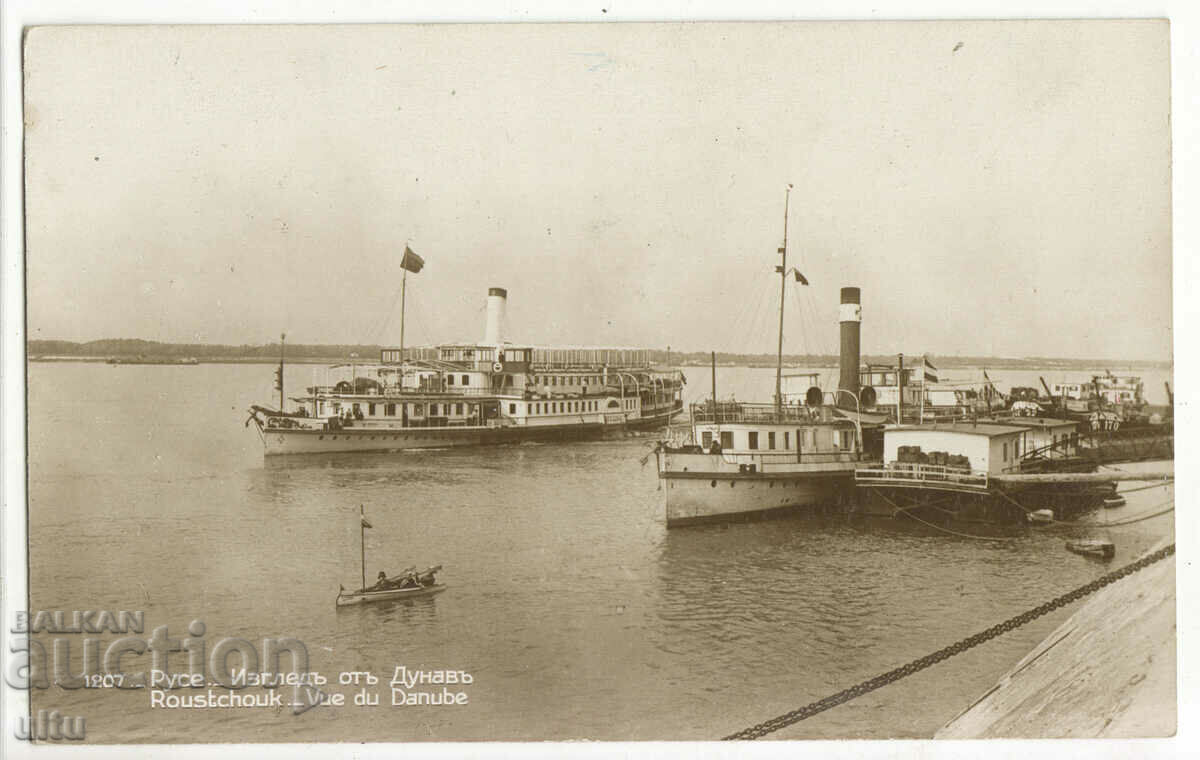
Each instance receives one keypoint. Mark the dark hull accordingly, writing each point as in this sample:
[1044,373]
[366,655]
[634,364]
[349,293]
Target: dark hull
[292,441]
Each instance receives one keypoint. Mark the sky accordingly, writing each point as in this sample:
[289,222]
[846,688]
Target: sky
[995,188]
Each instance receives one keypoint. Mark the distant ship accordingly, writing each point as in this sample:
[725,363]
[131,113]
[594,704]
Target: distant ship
[474,394]
[188,360]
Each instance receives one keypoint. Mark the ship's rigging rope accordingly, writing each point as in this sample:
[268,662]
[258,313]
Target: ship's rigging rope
[1104,524]
[1158,484]
[907,513]
[813,708]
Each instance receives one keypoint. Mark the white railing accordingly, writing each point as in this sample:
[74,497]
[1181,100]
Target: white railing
[901,473]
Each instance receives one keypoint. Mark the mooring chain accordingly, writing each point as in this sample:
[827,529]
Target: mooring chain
[795,716]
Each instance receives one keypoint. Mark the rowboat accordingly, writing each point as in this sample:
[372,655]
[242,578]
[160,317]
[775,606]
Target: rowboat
[1092,547]
[347,598]
[409,584]
[1041,516]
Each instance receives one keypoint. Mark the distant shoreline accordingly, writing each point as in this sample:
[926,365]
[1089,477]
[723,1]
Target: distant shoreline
[944,363]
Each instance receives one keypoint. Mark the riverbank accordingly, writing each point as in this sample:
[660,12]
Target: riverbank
[1107,672]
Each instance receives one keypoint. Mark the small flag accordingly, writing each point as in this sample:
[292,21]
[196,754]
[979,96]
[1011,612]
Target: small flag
[366,524]
[411,261]
[930,370]
[800,278]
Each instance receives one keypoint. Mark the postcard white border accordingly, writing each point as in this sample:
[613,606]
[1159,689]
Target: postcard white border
[1185,50]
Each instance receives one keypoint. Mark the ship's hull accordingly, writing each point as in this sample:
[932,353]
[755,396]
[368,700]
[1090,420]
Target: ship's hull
[291,441]
[701,488]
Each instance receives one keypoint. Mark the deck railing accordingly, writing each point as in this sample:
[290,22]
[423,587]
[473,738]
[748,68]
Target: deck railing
[735,412]
[903,473]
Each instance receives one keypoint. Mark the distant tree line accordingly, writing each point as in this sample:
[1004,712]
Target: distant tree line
[130,347]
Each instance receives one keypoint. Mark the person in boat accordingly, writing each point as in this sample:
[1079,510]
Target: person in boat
[410,580]
[381,582]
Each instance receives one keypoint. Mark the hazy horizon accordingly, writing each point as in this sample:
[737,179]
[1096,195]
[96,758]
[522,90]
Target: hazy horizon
[995,188]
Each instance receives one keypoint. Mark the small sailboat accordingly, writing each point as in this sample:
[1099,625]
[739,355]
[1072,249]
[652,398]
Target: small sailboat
[409,584]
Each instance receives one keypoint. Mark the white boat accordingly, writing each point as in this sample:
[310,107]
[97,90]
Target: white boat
[474,394]
[346,598]
[743,459]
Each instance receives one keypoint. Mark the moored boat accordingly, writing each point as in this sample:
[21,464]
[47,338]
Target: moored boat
[1092,547]
[745,459]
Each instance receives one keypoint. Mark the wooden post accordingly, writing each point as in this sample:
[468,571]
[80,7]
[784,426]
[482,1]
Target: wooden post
[900,389]
[362,543]
[714,383]
[403,288]
[282,336]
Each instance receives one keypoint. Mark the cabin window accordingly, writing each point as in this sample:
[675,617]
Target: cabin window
[787,440]
[433,410]
[466,380]
[389,410]
[752,440]
[449,379]
[727,439]
[847,439]
[357,408]
[371,409]
[706,438]
[458,409]
[512,408]
[771,440]
[1005,451]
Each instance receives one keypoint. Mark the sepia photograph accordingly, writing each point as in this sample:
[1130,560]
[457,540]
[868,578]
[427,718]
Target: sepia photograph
[672,381]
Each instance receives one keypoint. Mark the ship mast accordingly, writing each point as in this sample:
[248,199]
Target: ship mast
[403,288]
[782,269]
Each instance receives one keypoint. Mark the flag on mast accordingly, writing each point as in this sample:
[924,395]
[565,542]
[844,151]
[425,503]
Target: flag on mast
[411,261]
[930,371]
[366,524]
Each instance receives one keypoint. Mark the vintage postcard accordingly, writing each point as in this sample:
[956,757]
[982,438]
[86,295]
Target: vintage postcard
[621,382]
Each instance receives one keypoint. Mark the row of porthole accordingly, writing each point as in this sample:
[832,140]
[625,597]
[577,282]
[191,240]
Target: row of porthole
[771,483]
[361,438]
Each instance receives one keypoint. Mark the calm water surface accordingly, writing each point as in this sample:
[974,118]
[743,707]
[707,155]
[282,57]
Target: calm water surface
[578,614]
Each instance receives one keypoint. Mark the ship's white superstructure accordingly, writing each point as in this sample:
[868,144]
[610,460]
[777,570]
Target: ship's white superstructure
[464,394]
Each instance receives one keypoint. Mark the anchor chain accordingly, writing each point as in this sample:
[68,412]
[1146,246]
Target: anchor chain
[809,710]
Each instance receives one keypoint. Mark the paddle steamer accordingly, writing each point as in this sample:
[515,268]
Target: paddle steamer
[745,459]
[468,394]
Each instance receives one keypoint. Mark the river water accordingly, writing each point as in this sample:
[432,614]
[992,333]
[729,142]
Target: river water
[577,614]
